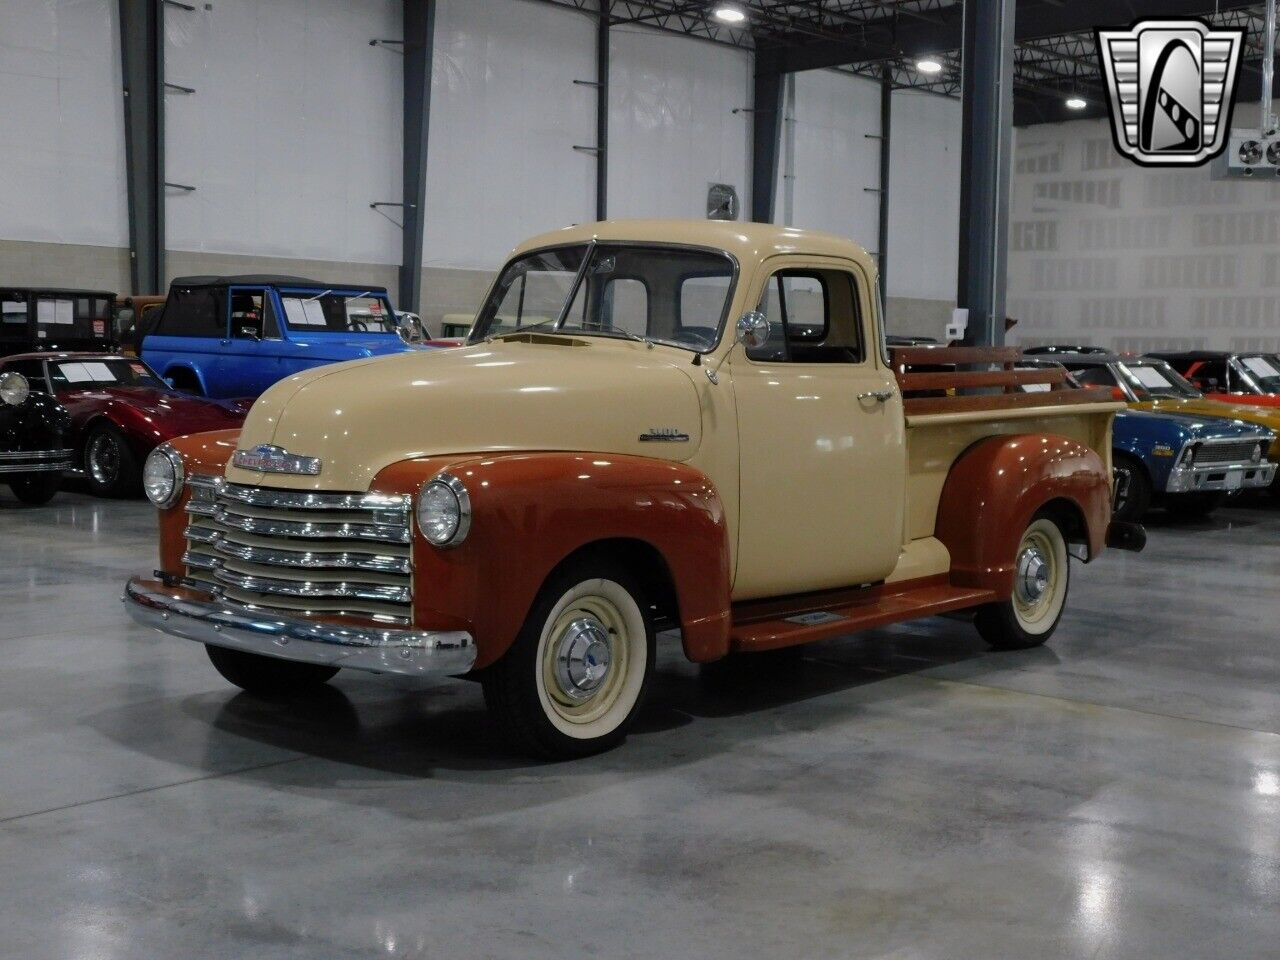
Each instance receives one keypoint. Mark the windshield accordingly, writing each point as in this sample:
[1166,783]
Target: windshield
[332,312]
[1263,370]
[1155,380]
[91,373]
[670,295]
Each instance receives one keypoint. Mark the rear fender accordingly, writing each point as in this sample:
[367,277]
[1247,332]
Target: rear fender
[532,511]
[996,487]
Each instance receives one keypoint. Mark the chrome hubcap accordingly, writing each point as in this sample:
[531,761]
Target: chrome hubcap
[1033,575]
[584,654]
[102,459]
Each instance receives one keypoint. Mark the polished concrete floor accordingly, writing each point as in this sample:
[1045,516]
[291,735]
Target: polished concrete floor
[900,794]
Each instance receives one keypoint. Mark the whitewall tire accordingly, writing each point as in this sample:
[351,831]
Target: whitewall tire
[1041,577]
[575,677]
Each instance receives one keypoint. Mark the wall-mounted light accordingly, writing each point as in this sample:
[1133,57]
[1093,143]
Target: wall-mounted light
[929,66]
[728,13]
[1076,103]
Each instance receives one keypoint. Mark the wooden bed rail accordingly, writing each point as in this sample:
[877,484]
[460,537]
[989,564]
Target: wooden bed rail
[932,380]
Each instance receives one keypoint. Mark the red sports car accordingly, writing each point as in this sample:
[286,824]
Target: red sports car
[120,409]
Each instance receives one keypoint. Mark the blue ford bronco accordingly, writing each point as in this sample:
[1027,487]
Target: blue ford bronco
[236,336]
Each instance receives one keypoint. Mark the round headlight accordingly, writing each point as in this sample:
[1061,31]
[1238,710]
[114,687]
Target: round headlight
[162,476]
[14,389]
[444,511]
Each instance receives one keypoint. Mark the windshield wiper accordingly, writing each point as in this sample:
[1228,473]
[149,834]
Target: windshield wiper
[551,321]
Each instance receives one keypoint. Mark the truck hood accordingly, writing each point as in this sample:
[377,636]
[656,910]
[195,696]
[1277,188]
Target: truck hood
[532,393]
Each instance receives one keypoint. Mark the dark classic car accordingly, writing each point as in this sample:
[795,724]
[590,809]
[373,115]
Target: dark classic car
[54,318]
[33,440]
[1063,348]
[120,410]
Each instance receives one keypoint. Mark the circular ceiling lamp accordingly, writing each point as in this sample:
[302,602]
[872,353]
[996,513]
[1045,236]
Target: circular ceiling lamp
[1076,103]
[728,13]
[929,66]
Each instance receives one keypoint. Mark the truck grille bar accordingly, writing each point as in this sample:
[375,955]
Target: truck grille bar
[334,553]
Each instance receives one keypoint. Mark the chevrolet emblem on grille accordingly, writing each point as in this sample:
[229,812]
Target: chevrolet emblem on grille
[267,458]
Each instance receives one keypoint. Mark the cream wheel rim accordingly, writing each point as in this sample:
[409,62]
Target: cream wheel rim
[591,659]
[1040,577]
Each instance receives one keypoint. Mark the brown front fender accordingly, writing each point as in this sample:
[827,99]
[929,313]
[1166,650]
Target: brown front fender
[997,486]
[531,511]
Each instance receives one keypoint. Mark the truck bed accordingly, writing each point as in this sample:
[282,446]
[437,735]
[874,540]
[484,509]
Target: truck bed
[956,396]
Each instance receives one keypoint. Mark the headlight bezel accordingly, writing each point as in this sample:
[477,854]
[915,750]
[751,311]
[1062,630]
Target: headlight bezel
[164,452]
[461,501]
[9,378]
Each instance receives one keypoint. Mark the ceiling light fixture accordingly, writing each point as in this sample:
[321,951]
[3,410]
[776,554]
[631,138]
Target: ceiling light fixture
[1076,103]
[929,65]
[728,13]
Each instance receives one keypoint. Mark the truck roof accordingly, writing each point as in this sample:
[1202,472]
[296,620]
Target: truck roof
[748,242]
[270,280]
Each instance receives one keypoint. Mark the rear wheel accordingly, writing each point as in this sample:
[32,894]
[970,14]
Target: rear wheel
[1133,489]
[1194,506]
[267,676]
[109,463]
[1040,579]
[37,489]
[575,677]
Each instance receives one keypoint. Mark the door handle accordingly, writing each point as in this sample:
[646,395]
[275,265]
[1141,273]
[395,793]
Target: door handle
[880,396]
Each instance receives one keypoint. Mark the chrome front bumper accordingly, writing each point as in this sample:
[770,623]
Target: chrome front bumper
[35,461]
[204,618]
[1220,476]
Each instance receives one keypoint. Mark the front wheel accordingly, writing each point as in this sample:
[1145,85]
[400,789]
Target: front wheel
[1041,576]
[575,677]
[37,489]
[267,676]
[110,464]
[1133,489]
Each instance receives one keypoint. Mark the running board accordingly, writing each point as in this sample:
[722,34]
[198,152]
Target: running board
[768,625]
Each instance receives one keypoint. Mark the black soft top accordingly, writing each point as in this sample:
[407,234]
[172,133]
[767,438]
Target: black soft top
[270,280]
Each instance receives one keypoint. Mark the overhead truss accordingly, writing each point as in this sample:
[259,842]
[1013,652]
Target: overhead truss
[1055,56]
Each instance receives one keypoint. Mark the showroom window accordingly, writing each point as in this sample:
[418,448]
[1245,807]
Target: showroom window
[193,312]
[814,317]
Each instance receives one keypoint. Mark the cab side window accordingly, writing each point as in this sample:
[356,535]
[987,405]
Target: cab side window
[252,316]
[193,312]
[814,316]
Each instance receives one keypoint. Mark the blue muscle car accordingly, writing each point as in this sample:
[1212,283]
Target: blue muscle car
[1188,465]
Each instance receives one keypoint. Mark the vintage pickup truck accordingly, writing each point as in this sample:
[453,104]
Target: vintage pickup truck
[653,424]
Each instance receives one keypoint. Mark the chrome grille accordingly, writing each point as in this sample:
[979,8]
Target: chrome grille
[1231,451]
[339,553]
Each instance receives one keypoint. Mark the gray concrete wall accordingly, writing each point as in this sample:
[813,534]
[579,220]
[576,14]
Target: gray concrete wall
[445,291]
[26,263]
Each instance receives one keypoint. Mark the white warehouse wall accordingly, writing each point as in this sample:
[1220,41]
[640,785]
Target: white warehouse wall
[294,129]
[924,211]
[830,157]
[1106,252]
[672,126]
[62,152]
[505,117]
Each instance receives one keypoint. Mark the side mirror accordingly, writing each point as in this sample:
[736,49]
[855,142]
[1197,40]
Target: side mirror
[753,330]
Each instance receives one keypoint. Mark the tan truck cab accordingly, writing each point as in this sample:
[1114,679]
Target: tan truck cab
[653,424]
